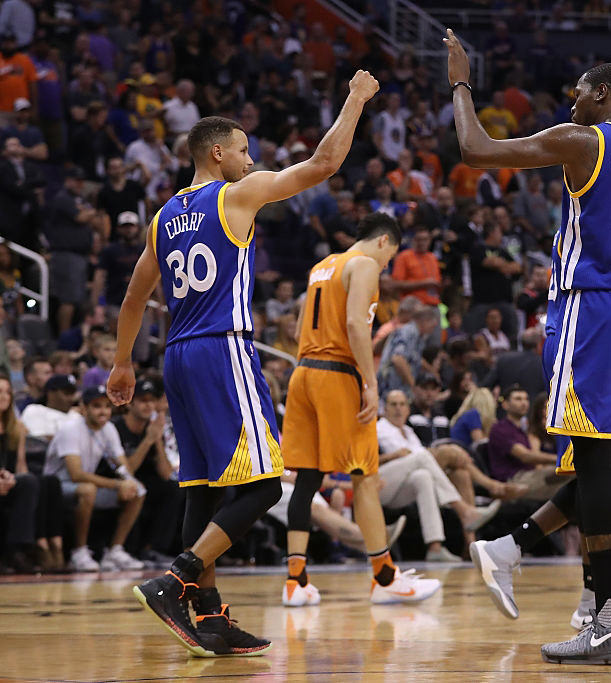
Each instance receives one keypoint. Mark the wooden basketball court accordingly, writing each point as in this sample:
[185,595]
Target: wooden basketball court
[92,629]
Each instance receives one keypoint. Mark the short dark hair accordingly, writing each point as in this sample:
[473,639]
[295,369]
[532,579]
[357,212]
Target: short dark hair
[375,224]
[208,131]
[489,228]
[598,74]
[29,366]
[512,389]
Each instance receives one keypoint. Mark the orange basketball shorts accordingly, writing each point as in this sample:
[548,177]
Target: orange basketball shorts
[320,430]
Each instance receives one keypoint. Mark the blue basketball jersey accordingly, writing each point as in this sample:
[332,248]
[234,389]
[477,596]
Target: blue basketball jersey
[554,293]
[586,225]
[207,274]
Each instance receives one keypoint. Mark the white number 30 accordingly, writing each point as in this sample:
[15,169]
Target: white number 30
[189,279]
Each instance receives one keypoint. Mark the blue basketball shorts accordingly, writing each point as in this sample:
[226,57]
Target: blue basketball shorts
[576,361]
[222,411]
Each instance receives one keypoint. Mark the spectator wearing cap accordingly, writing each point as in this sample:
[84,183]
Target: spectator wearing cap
[30,136]
[70,238]
[149,159]
[181,113]
[17,17]
[74,455]
[113,273]
[42,420]
[141,431]
[402,356]
[21,184]
[93,143]
[104,348]
[37,372]
[120,195]
[149,106]
[17,74]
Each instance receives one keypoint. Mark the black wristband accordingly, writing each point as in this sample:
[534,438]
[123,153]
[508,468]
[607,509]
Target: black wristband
[461,83]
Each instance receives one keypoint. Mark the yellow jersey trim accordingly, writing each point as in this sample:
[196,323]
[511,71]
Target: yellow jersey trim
[237,482]
[573,432]
[154,231]
[595,172]
[221,209]
[192,188]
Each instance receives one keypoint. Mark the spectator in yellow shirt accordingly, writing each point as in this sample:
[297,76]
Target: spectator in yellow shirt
[498,121]
[148,105]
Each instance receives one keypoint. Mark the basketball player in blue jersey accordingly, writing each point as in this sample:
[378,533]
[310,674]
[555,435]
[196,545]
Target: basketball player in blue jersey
[579,405]
[497,560]
[199,244]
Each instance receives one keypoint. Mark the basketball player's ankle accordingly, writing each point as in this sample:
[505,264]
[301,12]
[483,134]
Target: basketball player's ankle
[207,601]
[187,567]
[297,569]
[383,567]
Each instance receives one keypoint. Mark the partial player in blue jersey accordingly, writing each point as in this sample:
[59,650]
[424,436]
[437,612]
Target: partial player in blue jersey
[200,245]
[579,405]
[505,553]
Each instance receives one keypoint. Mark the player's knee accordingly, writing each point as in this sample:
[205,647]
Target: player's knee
[273,491]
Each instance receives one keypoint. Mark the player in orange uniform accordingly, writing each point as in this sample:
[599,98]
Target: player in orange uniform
[332,404]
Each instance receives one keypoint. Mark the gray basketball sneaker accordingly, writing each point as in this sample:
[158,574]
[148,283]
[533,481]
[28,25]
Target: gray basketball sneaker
[496,561]
[591,646]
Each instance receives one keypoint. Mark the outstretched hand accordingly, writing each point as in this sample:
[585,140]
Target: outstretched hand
[458,61]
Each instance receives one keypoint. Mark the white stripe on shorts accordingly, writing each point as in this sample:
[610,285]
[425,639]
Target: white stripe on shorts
[256,406]
[563,368]
[238,323]
[247,321]
[249,427]
[570,271]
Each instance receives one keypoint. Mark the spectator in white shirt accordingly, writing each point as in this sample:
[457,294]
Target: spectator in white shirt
[410,473]
[181,113]
[282,303]
[151,154]
[74,454]
[43,421]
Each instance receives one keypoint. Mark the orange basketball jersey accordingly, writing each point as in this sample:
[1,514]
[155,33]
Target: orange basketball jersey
[324,332]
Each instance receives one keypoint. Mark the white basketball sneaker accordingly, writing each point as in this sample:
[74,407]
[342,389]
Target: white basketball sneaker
[294,595]
[406,587]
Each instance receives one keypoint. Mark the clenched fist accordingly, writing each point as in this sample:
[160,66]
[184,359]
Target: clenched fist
[364,85]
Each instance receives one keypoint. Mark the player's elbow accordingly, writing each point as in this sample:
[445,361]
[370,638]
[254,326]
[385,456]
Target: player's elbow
[473,158]
[323,165]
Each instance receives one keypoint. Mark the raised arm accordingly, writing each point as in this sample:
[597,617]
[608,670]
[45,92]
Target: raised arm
[262,187]
[571,145]
[120,386]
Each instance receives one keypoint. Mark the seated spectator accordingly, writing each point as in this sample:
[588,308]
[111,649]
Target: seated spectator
[113,273]
[498,121]
[62,363]
[432,427]
[474,419]
[416,270]
[104,349]
[37,372]
[409,184]
[454,329]
[402,356]
[10,282]
[460,387]
[141,431]
[93,144]
[148,159]
[521,367]
[511,455]
[405,311]
[148,104]
[15,354]
[384,201]
[495,337]
[365,189]
[324,206]
[285,339]
[341,228]
[30,136]
[463,181]
[181,113]
[538,437]
[489,192]
[42,420]
[533,298]
[75,338]
[410,473]
[18,488]
[530,207]
[282,302]
[74,454]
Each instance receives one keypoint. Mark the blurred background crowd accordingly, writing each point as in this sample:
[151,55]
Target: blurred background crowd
[96,99]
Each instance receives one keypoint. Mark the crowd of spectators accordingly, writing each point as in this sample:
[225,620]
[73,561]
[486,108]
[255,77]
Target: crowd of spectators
[95,101]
